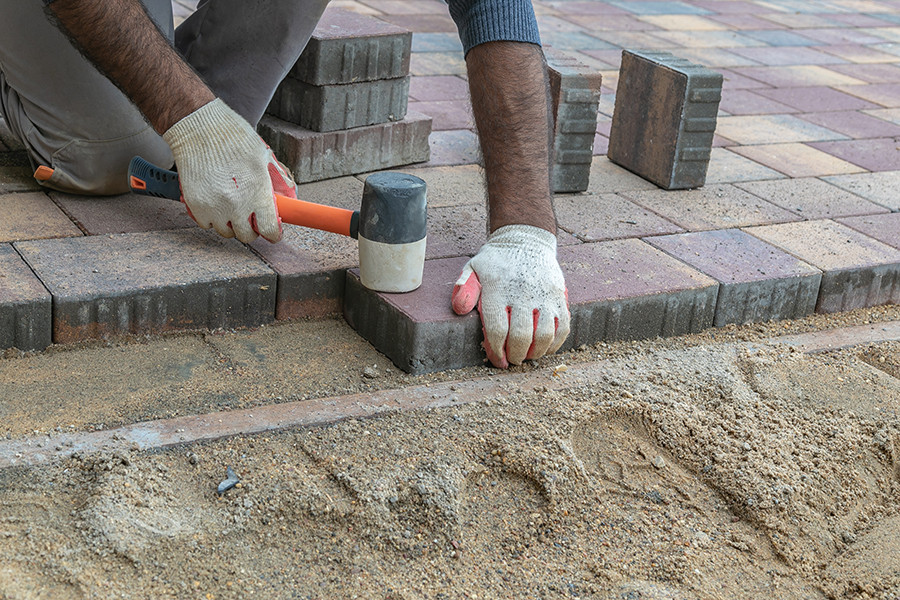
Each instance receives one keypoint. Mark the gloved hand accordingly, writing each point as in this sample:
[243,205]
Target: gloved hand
[521,294]
[227,173]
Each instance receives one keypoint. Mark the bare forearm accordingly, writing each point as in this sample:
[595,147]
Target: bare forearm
[124,43]
[511,104]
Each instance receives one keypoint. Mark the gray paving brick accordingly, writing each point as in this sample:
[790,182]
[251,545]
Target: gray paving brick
[333,107]
[665,118]
[16,178]
[25,305]
[348,47]
[150,282]
[628,290]
[575,93]
[598,217]
[313,155]
[857,271]
[757,281]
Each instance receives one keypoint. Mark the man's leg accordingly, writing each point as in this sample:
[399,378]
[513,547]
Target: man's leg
[67,114]
[244,48]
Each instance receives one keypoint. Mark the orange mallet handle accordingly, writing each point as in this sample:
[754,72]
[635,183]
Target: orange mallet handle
[147,179]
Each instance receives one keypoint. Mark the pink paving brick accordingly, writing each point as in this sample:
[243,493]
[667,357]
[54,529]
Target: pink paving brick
[777,56]
[711,207]
[593,218]
[879,154]
[797,76]
[853,124]
[812,198]
[25,305]
[858,271]
[744,22]
[884,94]
[127,213]
[757,281]
[32,216]
[858,54]
[599,24]
[746,102]
[422,23]
[726,7]
[438,87]
[882,227]
[450,114]
[735,81]
[816,98]
[109,285]
[870,73]
[837,36]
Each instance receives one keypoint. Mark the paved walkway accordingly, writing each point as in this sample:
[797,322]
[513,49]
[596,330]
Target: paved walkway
[798,214]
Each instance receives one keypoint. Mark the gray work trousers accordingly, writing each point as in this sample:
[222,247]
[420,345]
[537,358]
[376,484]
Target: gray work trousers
[74,120]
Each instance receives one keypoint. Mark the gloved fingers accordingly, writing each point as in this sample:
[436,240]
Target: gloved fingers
[466,292]
[544,333]
[521,334]
[282,181]
[268,225]
[562,323]
[495,325]
[243,229]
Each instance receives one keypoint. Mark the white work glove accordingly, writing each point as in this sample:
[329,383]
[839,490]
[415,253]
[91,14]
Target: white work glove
[227,173]
[521,294]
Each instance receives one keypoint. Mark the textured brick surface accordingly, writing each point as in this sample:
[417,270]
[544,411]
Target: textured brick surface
[797,160]
[712,207]
[757,281]
[344,106]
[25,305]
[882,227]
[881,154]
[858,271]
[150,282]
[626,289]
[665,118]
[31,216]
[348,47]
[16,178]
[593,218]
[128,213]
[880,187]
[418,330]
[575,93]
[812,198]
[313,155]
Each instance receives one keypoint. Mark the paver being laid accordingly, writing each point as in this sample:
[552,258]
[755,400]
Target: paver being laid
[25,305]
[150,282]
[757,281]
[127,213]
[857,270]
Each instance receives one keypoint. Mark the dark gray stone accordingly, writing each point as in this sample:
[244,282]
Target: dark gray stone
[25,305]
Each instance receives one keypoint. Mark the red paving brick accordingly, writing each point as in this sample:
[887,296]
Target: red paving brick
[746,102]
[853,123]
[879,154]
[438,88]
[882,227]
[816,98]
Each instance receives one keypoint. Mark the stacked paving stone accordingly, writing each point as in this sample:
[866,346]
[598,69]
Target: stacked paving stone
[665,118]
[575,93]
[342,108]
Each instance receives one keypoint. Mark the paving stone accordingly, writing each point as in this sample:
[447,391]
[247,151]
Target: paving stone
[772,129]
[659,7]
[150,283]
[797,160]
[854,124]
[720,206]
[608,177]
[438,23]
[348,47]
[127,213]
[882,227]
[313,156]
[594,218]
[575,97]
[880,187]
[683,22]
[446,115]
[459,185]
[344,106]
[812,198]
[664,119]
[454,147]
[858,271]
[16,178]
[746,102]
[816,98]
[456,231]
[708,39]
[436,42]
[780,37]
[628,290]
[736,81]
[438,87]
[310,264]
[727,167]
[877,154]
[26,314]
[437,63]
[870,73]
[841,36]
[418,330]
[713,57]
[860,54]
[798,76]
[757,281]
[32,216]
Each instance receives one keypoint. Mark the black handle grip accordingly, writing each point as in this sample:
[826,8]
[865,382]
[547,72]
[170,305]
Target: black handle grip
[147,179]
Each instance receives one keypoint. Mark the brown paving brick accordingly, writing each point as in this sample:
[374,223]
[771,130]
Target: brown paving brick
[746,102]
[797,160]
[17,178]
[25,305]
[858,271]
[727,167]
[128,213]
[757,281]
[626,289]
[812,198]
[593,218]
[718,206]
[816,98]
[608,177]
[111,285]
[853,123]
[32,216]
[880,187]
[882,227]
[878,154]
[438,87]
[772,129]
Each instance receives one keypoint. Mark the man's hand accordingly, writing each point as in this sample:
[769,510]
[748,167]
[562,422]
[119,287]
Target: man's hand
[227,173]
[521,294]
